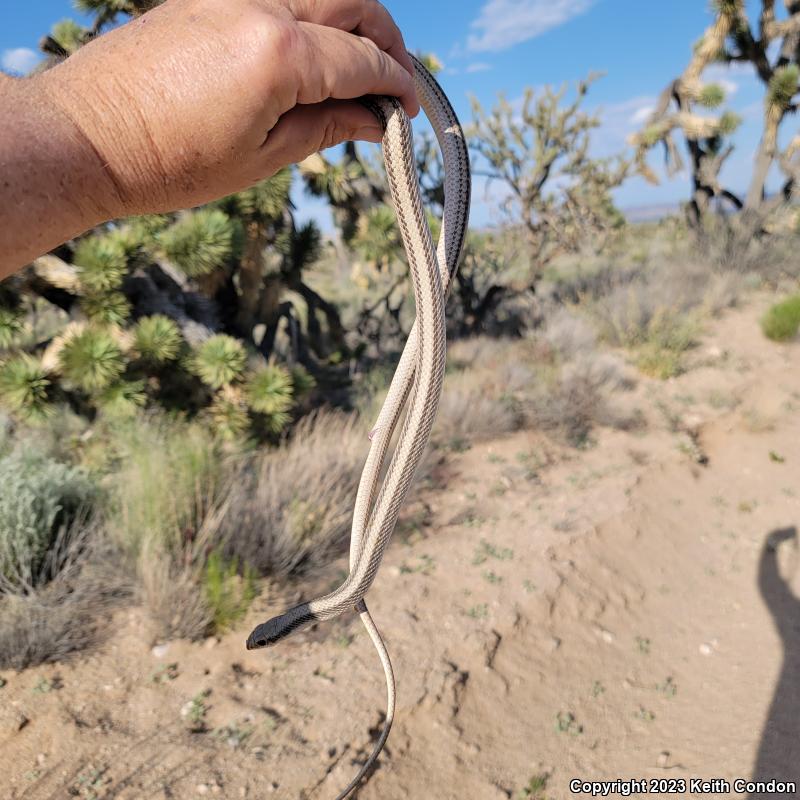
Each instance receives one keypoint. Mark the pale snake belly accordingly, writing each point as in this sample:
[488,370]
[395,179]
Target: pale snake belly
[417,383]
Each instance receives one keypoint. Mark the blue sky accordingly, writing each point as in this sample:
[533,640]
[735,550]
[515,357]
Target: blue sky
[488,46]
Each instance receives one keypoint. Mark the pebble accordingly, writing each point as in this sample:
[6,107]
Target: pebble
[160,650]
[210,643]
[663,758]
[553,643]
[41,758]
[706,649]
[11,720]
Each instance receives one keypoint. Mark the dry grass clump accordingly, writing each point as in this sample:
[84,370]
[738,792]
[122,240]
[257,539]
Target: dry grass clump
[52,582]
[659,314]
[167,500]
[288,510]
[575,383]
[555,380]
[49,621]
[782,321]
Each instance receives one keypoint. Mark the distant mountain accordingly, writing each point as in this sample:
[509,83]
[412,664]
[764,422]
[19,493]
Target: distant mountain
[650,213]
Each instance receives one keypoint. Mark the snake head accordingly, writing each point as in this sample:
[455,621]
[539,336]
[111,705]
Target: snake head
[263,635]
[277,628]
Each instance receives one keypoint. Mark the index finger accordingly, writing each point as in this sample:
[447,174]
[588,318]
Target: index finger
[365,17]
[343,66]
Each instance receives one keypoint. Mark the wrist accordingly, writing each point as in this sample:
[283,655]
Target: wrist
[99,122]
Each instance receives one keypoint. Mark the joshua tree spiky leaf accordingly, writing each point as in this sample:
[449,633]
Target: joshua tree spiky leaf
[91,360]
[431,62]
[268,198]
[783,86]
[111,308]
[302,381]
[199,242]
[301,246]
[378,239]
[229,416]
[219,360]
[24,386]
[157,339]
[269,390]
[729,122]
[123,399]
[101,263]
[69,34]
[11,323]
[712,96]
[334,180]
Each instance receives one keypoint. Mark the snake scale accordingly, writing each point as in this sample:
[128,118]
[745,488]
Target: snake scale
[417,383]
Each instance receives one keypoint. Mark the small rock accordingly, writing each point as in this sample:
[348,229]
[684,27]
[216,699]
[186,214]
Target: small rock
[11,720]
[41,758]
[202,788]
[606,636]
[663,758]
[706,649]
[553,643]
[210,643]
[160,650]
[242,791]
[273,787]
[692,422]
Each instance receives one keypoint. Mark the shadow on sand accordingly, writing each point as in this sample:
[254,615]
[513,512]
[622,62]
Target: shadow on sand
[779,751]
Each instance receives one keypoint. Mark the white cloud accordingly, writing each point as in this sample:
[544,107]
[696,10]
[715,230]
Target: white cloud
[720,74]
[641,114]
[20,59]
[633,111]
[504,23]
[618,121]
[478,66]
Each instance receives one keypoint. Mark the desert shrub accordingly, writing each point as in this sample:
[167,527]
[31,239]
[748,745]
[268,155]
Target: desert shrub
[39,497]
[167,497]
[554,380]
[171,474]
[470,411]
[228,594]
[290,508]
[172,593]
[49,622]
[570,398]
[782,321]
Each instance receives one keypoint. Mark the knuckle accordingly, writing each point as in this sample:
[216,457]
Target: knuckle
[332,134]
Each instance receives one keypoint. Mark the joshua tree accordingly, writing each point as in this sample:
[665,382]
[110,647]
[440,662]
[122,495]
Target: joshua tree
[543,144]
[773,49]
[186,309]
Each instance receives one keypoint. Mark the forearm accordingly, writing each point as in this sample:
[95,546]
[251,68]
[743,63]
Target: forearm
[195,100]
[53,182]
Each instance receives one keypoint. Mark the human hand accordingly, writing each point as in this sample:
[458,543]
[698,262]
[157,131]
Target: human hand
[201,98]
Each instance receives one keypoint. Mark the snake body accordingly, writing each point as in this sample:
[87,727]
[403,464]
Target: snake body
[417,383]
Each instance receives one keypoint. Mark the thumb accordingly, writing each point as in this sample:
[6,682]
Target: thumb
[306,129]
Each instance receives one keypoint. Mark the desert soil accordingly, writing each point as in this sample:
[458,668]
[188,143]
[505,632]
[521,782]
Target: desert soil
[631,610]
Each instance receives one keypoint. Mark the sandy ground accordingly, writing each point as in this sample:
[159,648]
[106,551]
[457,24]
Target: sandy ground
[627,611]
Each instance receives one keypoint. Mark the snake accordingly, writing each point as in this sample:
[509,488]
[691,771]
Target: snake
[416,385]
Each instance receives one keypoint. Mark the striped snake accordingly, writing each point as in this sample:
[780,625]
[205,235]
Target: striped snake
[417,383]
